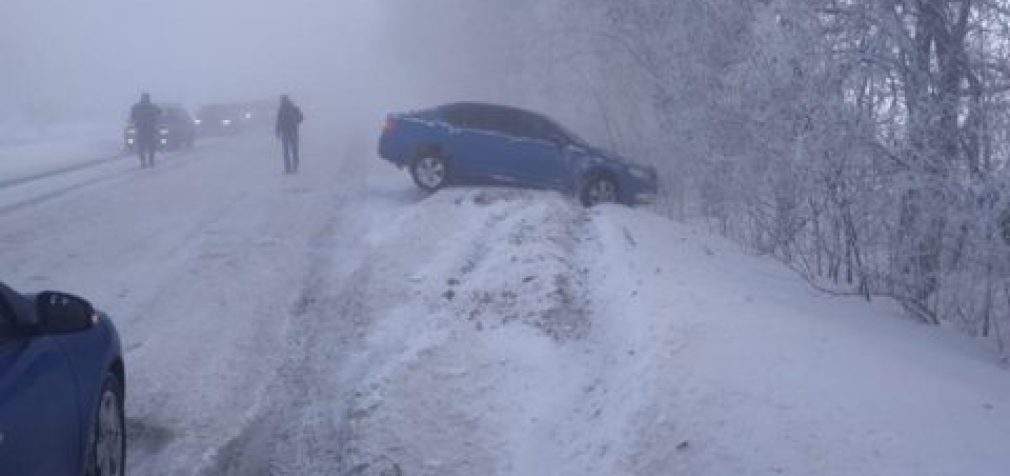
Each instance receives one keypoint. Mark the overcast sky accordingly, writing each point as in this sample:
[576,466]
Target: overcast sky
[90,55]
[68,59]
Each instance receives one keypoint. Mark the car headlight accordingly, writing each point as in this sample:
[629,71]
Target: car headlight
[248,115]
[226,122]
[640,173]
[197,122]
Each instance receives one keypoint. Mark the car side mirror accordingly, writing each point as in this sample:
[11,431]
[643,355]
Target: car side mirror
[61,313]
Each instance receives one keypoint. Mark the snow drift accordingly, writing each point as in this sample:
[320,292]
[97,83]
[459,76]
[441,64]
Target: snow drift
[535,337]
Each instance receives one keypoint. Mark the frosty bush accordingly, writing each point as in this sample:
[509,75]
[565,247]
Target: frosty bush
[862,142]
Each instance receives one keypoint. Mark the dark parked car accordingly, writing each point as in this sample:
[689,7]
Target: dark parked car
[219,119]
[176,128]
[474,143]
[257,114]
[130,137]
[61,387]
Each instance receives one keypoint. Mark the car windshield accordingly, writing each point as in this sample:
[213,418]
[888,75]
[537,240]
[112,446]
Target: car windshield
[570,136]
[506,237]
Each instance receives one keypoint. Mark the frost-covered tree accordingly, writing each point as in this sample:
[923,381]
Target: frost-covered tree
[862,142]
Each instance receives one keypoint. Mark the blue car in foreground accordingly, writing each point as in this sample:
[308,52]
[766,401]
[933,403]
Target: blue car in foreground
[487,144]
[61,387]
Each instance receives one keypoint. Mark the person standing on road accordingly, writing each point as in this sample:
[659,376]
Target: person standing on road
[289,117]
[144,117]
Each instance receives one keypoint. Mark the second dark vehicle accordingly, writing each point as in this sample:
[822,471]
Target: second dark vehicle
[219,119]
[475,143]
[175,129]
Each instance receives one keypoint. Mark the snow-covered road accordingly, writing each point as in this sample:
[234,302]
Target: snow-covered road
[338,322]
[216,269]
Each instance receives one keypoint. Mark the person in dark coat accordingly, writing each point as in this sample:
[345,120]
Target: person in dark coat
[144,117]
[289,117]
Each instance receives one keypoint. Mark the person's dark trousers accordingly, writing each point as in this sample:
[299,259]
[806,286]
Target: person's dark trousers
[146,149]
[289,142]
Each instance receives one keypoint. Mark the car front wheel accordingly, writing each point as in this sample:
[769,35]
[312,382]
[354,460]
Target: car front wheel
[107,452]
[598,189]
[429,172]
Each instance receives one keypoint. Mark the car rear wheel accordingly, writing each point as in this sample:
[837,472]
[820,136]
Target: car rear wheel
[598,189]
[429,172]
[108,440]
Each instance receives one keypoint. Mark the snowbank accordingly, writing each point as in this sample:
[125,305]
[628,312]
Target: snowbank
[533,337]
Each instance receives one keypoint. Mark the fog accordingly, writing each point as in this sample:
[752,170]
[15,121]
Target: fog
[781,217]
[67,60]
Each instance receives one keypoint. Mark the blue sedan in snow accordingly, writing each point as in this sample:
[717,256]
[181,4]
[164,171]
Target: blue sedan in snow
[61,387]
[476,143]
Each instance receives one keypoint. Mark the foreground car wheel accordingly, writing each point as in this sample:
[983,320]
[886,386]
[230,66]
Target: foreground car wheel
[429,172]
[598,189]
[108,442]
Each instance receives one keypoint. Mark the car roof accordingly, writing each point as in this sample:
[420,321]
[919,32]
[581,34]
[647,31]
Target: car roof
[174,109]
[485,106]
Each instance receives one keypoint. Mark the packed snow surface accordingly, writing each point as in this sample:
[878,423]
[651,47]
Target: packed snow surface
[30,151]
[340,322]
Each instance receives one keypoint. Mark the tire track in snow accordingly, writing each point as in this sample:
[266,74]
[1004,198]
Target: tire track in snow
[243,264]
[253,449]
[59,192]
[167,162]
[297,426]
[63,170]
[453,396]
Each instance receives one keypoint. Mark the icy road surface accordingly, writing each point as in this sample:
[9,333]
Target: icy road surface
[337,322]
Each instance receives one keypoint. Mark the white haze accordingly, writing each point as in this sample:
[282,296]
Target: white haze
[67,60]
[339,321]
